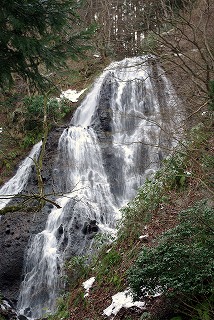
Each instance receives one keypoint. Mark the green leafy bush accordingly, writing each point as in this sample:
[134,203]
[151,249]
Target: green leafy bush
[76,268]
[30,139]
[182,262]
[62,309]
[33,110]
[112,258]
[31,114]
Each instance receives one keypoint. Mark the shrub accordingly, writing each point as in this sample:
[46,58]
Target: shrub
[182,262]
[112,258]
[33,110]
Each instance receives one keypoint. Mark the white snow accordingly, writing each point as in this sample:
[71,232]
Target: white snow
[87,285]
[122,300]
[145,236]
[72,95]
[178,54]
[6,303]
[0,130]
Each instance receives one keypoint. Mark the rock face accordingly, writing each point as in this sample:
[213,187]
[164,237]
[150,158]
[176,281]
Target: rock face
[15,232]
[103,127]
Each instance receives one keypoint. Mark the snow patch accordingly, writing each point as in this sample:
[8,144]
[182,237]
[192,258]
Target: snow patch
[145,236]
[1,130]
[87,285]
[72,95]
[6,303]
[122,300]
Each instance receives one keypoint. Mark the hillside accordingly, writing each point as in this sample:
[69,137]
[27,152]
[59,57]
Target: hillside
[184,184]
[177,277]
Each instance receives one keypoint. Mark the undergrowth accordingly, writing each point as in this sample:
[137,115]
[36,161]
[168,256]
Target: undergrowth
[187,173]
[183,259]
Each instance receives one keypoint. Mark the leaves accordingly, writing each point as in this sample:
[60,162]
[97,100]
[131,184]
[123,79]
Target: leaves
[183,261]
[38,36]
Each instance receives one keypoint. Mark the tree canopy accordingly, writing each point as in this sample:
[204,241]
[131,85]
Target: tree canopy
[37,36]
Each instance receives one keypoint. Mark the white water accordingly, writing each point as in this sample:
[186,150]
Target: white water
[88,178]
[16,184]
[138,122]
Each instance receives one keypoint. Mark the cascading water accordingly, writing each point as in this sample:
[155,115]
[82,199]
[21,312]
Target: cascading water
[115,141]
[19,181]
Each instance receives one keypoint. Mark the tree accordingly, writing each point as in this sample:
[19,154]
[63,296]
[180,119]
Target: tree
[38,36]
[122,25]
[182,39]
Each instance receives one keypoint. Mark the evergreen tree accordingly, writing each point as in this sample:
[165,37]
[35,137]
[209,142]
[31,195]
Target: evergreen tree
[37,36]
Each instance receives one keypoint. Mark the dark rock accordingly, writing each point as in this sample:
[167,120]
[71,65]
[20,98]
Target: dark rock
[7,310]
[85,228]
[93,225]
[22,317]
[28,312]
[12,248]
[60,230]
[90,227]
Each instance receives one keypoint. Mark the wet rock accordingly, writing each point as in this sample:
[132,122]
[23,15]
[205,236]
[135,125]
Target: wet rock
[22,317]
[90,227]
[7,310]
[28,313]
[60,230]
[15,230]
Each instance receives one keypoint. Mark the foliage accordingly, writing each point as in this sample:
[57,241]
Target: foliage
[39,36]
[31,138]
[101,239]
[183,260]
[194,309]
[150,42]
[29,117]
[33,110]
[145,316]
[202,310]
[173,175]
[76,268]
[111,259]
[62,309]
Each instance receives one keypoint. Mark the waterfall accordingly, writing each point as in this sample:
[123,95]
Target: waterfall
[116,139]
[19,181]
